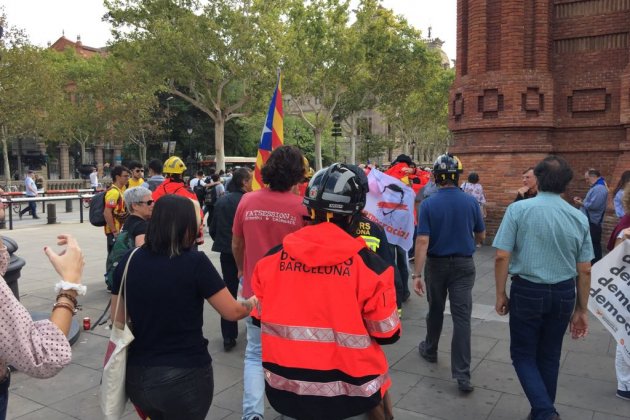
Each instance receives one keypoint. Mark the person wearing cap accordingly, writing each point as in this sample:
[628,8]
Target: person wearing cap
[450,222]
[173,170]
[30,190]
[322,355]
[174,183]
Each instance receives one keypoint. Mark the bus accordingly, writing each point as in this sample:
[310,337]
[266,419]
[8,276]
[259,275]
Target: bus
[230,162]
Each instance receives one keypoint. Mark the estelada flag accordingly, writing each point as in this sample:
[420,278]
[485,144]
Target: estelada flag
[272,134]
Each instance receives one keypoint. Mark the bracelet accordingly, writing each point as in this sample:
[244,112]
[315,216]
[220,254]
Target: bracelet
[413,276]
[69,297]
[65,285]
[67,306]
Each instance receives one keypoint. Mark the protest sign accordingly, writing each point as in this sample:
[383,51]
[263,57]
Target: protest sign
[610,294]
[390,204]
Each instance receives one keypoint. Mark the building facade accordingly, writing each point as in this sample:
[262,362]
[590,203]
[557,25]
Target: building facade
[541,77]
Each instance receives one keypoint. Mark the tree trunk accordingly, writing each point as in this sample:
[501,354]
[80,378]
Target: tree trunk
[83,153]
[318,148]
[353,141]
[5,152]
[219,140]
[142,153]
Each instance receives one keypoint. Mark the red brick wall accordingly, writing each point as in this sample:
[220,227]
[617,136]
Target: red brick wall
[556,80]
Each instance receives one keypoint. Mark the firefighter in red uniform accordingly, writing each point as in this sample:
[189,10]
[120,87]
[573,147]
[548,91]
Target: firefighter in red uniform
[174,183]
[327,303]
[173,170]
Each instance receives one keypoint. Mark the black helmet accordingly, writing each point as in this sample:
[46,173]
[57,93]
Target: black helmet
[337,189]
[447,168]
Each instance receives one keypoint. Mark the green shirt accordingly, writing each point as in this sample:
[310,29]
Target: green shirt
[546,236]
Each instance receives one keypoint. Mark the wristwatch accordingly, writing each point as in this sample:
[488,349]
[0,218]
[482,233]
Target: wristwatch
[413,276]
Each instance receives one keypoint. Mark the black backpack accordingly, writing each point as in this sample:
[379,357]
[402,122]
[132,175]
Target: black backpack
[211,196]
[97,207]
[200,191]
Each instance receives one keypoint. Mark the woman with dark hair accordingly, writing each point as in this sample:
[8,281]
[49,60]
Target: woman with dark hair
[169,370]
[618,194]
[221,232]
[473,187]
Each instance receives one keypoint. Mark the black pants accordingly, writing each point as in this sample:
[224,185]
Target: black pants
[229,329]
[453,278]
[32,209]
[596,238]
[166,393]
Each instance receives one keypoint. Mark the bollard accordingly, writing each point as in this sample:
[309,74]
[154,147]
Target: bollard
[68,206]
[52,213]
[14,268]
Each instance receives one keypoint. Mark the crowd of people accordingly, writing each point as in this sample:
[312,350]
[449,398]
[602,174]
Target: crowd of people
[319,286]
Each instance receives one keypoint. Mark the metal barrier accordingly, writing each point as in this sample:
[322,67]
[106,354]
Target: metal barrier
[10,201]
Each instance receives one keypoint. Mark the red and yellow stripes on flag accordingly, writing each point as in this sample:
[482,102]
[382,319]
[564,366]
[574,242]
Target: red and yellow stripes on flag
[272,134]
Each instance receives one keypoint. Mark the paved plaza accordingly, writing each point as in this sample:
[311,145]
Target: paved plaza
[420,390]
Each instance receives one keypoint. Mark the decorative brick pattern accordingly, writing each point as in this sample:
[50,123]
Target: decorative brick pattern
[458,106]
[591,43]
[588,100]
[548,77]
[590,8]
[532,102]
[490,103]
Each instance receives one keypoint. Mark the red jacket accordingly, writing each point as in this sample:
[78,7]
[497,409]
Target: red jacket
[326,302]
[172,187]
[416,179]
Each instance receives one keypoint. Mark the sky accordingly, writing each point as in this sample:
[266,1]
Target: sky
[45,20]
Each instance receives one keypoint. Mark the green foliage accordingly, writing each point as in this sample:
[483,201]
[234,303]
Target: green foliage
[218,57]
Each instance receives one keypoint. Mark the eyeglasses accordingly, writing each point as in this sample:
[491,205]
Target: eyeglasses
[148,202]
[138,170]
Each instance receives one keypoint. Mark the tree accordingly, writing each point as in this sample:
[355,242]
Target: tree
[409,85]
[320,59]
[220,57]
[81,116]
[23,72]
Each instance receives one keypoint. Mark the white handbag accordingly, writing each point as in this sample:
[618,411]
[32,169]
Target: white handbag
[113,395]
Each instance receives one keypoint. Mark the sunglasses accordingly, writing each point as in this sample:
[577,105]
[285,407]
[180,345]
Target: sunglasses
[138,170]
[148,202]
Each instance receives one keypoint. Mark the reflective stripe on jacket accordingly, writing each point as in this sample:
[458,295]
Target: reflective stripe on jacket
[326,302]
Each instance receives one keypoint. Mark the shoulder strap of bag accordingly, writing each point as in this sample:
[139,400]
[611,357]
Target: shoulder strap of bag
[123,285]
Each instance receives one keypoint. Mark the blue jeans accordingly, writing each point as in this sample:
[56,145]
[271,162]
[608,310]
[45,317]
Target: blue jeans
[539,316]
[253,377]
[4,397]
[171,393]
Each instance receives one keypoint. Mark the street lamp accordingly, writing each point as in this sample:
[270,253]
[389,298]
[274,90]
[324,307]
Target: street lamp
[413,150]
[190,155]
[168,126]
[367,142]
